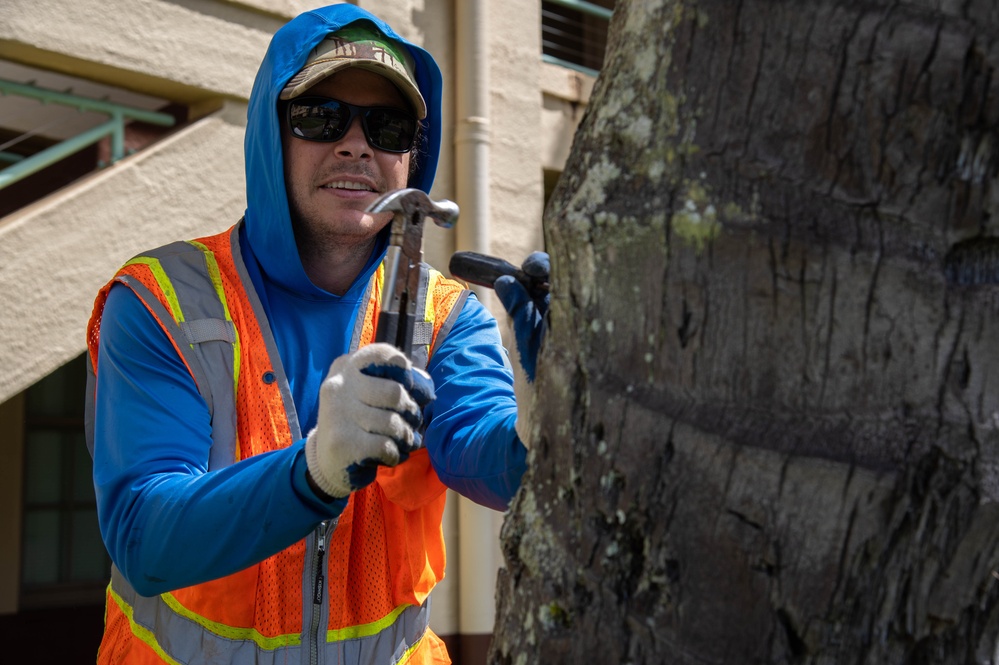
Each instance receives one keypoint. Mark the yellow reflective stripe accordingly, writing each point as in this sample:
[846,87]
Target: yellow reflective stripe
[429,313]
[166,286]
[216,276]
[366,629]
[139,631]
[232,632]
[292,639]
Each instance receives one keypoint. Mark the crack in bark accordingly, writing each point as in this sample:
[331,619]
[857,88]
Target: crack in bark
[869,305]
[831,322]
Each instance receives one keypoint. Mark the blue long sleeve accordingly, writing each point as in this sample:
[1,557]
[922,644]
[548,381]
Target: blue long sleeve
[472,436]
[167,521]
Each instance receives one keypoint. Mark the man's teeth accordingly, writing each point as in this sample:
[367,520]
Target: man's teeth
[343,184]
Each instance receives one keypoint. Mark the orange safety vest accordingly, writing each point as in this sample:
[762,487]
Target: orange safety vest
[380,559]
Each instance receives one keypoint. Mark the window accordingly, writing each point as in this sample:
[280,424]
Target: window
[63,560]
[574,33]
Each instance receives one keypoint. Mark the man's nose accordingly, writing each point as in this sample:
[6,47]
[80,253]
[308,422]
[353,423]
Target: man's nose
[354,143]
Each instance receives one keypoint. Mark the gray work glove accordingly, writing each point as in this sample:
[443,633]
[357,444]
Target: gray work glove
[370,410]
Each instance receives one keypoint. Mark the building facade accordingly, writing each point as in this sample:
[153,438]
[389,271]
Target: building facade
[121,125]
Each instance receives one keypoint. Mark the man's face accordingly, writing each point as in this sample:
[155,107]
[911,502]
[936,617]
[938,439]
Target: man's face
[329,185]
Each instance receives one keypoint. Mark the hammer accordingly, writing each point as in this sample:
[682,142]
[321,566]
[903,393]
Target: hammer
[410,207]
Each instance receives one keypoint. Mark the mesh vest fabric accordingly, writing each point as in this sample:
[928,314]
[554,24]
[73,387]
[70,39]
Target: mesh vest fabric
[385,554]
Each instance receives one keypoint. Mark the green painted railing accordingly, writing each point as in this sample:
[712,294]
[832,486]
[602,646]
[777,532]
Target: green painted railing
[22,166]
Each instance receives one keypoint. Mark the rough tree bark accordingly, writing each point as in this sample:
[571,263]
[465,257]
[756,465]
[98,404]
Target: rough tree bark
[770,392]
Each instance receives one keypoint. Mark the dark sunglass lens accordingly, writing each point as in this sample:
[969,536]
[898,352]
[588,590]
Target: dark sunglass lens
[318,120]
[391,130]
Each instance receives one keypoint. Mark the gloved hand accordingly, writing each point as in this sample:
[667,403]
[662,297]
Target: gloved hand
[370,408]
[528,314]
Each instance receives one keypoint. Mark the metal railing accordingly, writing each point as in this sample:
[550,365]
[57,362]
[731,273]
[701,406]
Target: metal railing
[22,166]
[574,34]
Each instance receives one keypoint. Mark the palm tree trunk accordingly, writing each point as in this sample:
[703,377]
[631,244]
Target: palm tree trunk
[769,397]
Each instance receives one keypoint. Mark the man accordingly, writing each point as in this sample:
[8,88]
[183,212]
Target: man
[262,485]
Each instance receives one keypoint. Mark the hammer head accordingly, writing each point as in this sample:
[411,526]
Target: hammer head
[415,201]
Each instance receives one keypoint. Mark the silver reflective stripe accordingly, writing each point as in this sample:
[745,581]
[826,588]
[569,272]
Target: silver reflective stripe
[209,330]
[423,333]
[191,640]
[211,355]
[390,645]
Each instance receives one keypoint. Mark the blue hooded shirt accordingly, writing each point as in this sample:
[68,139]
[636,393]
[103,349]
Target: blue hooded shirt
[166,519]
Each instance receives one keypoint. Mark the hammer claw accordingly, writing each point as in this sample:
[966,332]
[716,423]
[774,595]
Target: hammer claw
[410,207]
[410,201]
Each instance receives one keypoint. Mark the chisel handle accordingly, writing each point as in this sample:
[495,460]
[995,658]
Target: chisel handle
[484,270]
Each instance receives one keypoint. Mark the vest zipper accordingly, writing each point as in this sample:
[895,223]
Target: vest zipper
[317,596]
[318,589]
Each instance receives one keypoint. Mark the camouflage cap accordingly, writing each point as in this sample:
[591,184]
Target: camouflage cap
[359,45]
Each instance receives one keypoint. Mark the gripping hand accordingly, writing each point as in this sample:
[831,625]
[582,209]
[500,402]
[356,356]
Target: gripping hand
[370,410]
[528,314]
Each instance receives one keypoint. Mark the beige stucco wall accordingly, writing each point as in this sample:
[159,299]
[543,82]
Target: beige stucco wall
[54,255]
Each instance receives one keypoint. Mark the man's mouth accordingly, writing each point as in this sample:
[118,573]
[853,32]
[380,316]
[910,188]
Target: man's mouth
[344,184]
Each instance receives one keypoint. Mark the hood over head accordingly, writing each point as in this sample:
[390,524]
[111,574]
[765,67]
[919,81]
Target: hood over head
[268,220]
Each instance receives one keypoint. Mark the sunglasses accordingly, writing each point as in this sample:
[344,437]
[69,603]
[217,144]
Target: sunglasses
[327,120]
